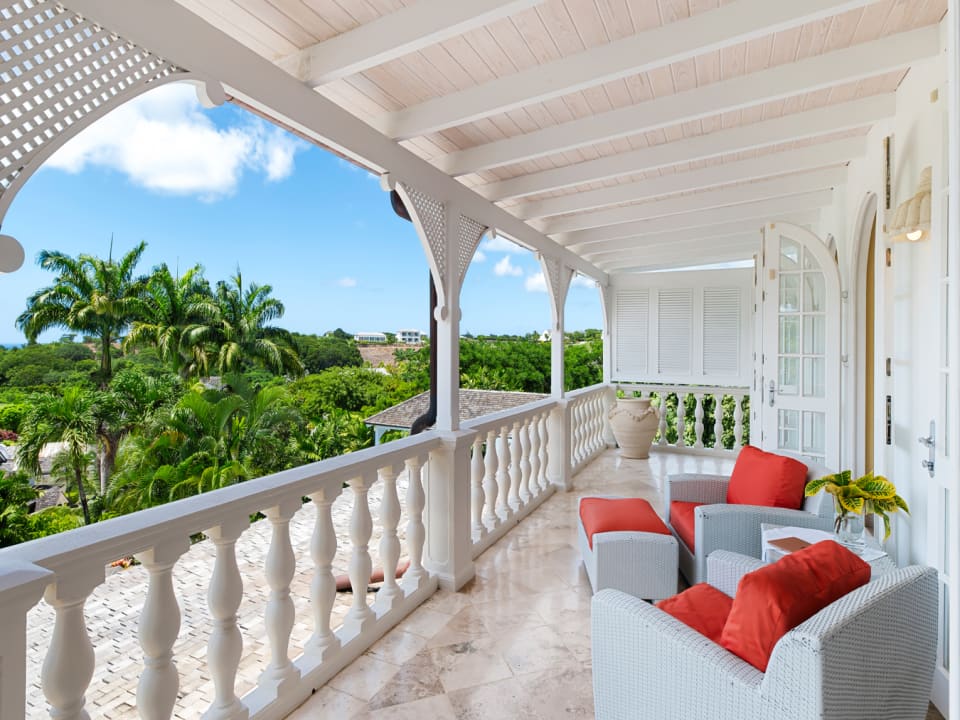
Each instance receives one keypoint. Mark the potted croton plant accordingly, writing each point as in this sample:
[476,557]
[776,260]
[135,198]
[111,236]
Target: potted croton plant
[851,498]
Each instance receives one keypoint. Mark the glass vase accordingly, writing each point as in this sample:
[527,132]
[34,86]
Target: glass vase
[848,528]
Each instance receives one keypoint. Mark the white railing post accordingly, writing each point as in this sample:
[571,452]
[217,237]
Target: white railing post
[390,593]
[323,588]
[449,545]
[281,565]
[477,495]
[609,403]
[523,429]
[68,666]
[718,421]
[503,474]
[533,430]
[559,441]
[225,645]
[159,627]
[544,479]
[737,422]
[681,418]
[21,586]
[515,453]
[490,486]
[415,577]
[359,616]
[698,420]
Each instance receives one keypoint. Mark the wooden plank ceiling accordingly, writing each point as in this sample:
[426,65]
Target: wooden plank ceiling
[601,122]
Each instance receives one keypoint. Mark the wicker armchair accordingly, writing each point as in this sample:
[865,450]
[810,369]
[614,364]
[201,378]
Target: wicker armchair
[647,664]
[718,526]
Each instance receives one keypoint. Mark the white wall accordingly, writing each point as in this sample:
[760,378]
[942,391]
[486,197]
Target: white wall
[907,295]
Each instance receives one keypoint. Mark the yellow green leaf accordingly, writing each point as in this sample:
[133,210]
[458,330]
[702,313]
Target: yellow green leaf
[815,486]
[851,503]
[876,488]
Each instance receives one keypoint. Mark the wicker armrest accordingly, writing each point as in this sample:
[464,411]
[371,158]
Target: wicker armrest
[725,569]
[689,487]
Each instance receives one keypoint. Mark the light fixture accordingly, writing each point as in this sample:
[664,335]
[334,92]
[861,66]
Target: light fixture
[11,254]
[912,220]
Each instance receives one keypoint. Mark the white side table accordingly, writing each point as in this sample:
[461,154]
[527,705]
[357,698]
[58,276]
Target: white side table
[880,562]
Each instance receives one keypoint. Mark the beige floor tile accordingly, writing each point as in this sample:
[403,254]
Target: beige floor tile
[437,707]
[534,650]
[329,703]
[364,677]
[503,700]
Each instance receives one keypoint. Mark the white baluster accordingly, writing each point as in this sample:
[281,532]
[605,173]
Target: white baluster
[226,643]
[477,495]
[281,566]
[323,588]
[503,475]
[515,452]
[361,566]
[159,627]
[68,666]
[737,422]
[544,479]
[663,418]
[490,487]
[390,593]
[416,575]
[718,421]
[525,462]
[698,421]
[533,429]
[681,418]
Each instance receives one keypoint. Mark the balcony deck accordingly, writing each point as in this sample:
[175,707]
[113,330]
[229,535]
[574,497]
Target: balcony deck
[515,643]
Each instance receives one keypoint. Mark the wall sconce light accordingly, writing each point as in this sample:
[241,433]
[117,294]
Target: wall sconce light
[11,254]
[911,222]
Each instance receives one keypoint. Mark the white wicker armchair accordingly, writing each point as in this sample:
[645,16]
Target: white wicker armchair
[718,526]
[647,664]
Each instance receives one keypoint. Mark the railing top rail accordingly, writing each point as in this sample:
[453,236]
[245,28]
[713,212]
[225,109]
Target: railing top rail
[104,542]
[707,389]
[590,389]
[489,422]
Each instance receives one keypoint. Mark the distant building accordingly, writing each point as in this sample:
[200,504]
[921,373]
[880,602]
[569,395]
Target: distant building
[545,336]
[370,337]
[409,337]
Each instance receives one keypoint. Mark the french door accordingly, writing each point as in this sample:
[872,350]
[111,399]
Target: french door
[800,345]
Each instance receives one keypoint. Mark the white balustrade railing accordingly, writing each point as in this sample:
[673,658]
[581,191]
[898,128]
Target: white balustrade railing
[69,567]
[588,411]
[508,469]
[713,432]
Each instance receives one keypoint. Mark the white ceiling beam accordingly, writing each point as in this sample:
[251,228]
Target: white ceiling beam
[808,158]
[719,197]
[424,23]
[605,251]
[700,248]
[171,31]
[815,73]
[762,210]
[692,257]
[731,24]
[797,126]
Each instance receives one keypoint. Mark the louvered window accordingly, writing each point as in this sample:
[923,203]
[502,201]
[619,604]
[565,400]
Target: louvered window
[721,332]
[633,325]
[675,332]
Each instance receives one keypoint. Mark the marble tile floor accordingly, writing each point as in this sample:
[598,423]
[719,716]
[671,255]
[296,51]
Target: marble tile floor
[514,644]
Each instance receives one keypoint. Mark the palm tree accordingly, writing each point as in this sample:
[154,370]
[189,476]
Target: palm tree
[242,333]
[174,309]
[90,295]
[68,419]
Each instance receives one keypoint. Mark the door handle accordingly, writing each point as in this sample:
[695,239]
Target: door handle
[771,392]
[930,442]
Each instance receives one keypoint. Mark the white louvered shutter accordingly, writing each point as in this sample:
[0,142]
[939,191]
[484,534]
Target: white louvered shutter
[632,328]
[675,331]
[721,332]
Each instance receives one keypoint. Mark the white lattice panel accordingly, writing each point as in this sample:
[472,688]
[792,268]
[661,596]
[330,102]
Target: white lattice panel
[58,73]
[558,280]
[470,232]
[430,216]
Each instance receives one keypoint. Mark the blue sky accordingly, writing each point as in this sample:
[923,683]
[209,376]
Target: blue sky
[224,189]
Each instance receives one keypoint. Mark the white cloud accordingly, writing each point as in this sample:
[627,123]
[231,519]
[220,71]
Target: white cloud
[501,244]
[347,282]
[584,281]
[479,256]
[505,268]
[536,283]
[164,141]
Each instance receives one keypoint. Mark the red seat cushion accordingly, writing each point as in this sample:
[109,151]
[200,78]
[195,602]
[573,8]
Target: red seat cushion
[776,598]
[682,519]
[702,607]
[600,515]
[762,478]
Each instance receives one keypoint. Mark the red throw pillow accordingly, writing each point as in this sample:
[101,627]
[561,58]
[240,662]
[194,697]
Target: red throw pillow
[762,478]
[702,607]
[776,598]
[600,515]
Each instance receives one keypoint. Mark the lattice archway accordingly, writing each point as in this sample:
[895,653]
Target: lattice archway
[58,74]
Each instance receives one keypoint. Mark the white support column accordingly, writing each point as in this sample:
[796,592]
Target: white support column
[448,331]
[21,586]
[606,307]
[558,278]
[449,547]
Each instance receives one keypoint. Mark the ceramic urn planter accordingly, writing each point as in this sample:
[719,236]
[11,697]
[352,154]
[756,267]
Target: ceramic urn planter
[634,423]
